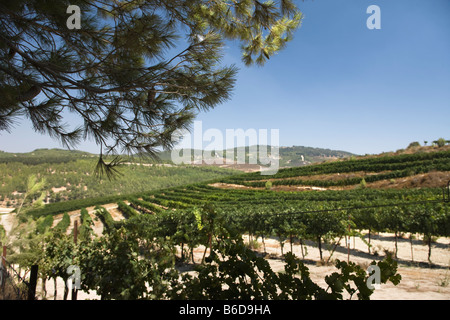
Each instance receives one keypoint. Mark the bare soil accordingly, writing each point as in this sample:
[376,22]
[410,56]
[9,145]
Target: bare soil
[328,177]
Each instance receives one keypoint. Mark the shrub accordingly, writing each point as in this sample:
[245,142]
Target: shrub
[363,183]
[440,142]
[413,145]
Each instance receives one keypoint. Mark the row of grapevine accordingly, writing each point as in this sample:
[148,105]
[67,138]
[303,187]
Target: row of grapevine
[105,217]
[315,216]
[143,205]
[126,210]
[137,261]
[408,163]
[318,222]
[352,181]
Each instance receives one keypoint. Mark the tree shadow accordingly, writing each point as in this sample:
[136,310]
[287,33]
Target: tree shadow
[400,261]
[417,242]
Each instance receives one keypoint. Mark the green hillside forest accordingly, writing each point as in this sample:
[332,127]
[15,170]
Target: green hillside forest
[69,175]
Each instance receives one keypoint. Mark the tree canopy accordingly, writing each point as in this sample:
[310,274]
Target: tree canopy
[135,71]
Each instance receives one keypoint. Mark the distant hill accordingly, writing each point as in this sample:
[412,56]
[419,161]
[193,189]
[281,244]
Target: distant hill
[44,155]
[294,156]
[288,156]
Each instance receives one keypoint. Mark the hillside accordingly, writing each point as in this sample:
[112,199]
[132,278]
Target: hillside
[44,156]
[70,175]
[292,156]
[412,168]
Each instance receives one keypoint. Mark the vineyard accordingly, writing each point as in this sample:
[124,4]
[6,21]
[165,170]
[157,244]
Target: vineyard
[372,169]
[202,227]
[321,216]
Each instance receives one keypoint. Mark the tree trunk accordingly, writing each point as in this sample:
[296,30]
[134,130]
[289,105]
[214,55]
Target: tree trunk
[182,251]
[290,240]
[43,288]
[204,255]
[301,247]
[66,291]
[206,248]
[396,247]
[334,249]
[264,244]
[320,247]
[55,289]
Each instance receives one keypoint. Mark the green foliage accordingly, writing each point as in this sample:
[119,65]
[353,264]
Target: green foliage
[43,224]
[363,183]
[86,227]
[2,234]
[413,145]
[142,249]
[105,217]
[127,211]
[32,188]
[137,262]
[146,206]
[317,216]
[64,223]
[44,156]
[350,272]
[111,266]
[67,206]
[85,218]
[80,184]
[26,241]
[198,219]
[60,251]
[441,142]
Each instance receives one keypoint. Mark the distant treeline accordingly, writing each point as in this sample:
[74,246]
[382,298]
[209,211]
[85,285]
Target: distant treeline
[40,156]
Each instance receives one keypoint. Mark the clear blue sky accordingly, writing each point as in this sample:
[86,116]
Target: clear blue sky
[337,85]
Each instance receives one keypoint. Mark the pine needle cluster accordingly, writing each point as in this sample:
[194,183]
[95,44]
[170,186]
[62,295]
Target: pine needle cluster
[135,72]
